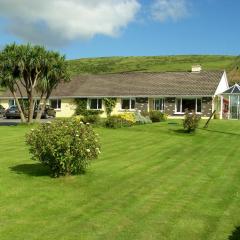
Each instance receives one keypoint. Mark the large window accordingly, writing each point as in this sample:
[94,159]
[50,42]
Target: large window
[190,104]
[95,103]
[159,104]
[56,103]
[128,103]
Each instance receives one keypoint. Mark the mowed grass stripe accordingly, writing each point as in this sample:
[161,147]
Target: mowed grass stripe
[151,182]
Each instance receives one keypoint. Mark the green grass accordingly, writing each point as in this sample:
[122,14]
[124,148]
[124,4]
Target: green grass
[151,182]
[156,64]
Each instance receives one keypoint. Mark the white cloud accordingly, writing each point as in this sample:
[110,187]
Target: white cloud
[58,21]
[163,10]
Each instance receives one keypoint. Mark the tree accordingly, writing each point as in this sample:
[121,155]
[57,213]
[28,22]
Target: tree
[33,71]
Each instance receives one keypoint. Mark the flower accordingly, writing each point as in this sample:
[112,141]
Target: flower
[88,150]
[77,135]
[32,129]
[98,150]
[87,123]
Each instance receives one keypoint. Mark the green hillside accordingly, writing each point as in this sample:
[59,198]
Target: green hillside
[156,64]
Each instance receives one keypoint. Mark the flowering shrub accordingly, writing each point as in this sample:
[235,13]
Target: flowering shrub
[117,121]
[65,146]
[157,116]
[140,119]
[191,121]
[130,117]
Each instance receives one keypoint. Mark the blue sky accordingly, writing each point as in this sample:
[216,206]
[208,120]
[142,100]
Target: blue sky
[124,27]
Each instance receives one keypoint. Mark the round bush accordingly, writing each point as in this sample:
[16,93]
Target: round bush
[65,146]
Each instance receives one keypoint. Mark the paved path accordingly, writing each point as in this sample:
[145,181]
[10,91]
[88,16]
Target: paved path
[14,122]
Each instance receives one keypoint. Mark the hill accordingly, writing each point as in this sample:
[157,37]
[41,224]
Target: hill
[156,64]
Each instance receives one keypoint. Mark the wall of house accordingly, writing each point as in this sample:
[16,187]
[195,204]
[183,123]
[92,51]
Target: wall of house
[169,108]
[67,108]
[4,103]
[207,106]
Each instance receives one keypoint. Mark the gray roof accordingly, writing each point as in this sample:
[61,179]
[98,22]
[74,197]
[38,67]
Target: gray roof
[140,84]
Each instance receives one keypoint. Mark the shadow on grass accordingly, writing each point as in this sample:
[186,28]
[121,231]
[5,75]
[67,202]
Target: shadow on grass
[235,234]
[222,132]
[182,131]
[37,169]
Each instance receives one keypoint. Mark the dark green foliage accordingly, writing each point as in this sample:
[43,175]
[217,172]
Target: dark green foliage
[92,112]
[235,234]
[117,122]
[110,104]
[65,146]
[157,116]
[91,118]
[81,106]
[191,121]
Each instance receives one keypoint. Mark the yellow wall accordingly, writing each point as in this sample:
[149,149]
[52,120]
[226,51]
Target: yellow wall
[67,108]
[4,103]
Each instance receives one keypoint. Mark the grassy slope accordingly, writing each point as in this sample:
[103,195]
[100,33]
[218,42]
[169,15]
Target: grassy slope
[151,182]
[156,64]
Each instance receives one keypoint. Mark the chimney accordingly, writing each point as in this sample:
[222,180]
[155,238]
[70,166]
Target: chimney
[196,68]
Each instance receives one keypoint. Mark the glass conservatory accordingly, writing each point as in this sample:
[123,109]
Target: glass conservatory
[231,103]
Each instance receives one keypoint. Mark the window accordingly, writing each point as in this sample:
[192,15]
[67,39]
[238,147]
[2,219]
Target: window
[56,103]
[128,103]
[95,103]
[12,102]
[190,104]
[159,104]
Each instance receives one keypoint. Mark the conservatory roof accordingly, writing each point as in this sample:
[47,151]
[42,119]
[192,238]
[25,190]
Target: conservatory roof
[235,89]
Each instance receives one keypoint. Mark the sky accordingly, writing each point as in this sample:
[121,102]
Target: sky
[102,28]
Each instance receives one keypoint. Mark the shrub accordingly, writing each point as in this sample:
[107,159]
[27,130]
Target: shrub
[92,112]
[191,121]
[157,116]
[140,119]
[110,104]
[130,117]
[117,122]
[93,119]
[65,146]
[81,106]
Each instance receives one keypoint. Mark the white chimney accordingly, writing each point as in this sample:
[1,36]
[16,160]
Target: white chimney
[196,68]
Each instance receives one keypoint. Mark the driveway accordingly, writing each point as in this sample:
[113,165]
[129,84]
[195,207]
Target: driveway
[14,122]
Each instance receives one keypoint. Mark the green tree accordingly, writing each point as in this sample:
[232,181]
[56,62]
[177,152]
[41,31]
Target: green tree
[31,70]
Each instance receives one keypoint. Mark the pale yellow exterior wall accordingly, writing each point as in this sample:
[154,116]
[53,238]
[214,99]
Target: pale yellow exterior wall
[67,108]
[117,108]
[4,103]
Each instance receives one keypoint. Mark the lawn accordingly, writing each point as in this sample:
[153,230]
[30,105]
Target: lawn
[151,182]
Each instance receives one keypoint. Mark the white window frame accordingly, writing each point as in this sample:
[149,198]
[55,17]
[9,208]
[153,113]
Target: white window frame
[14,102]
[130,104]
[181,111]
[89,104]
[162,107]
[56,99]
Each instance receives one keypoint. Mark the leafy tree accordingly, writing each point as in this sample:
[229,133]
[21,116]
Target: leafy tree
[31,70]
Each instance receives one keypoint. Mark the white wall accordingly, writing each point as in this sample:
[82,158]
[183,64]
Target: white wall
[223,84]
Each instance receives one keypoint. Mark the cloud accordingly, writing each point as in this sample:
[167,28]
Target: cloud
[55,22]
[162,10]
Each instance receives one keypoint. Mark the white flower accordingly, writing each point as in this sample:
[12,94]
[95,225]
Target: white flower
[98,150]
[88,150]
[88,123]
[81,122]
[77,135]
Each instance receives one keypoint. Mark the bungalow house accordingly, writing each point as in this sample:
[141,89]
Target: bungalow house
[169,92]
